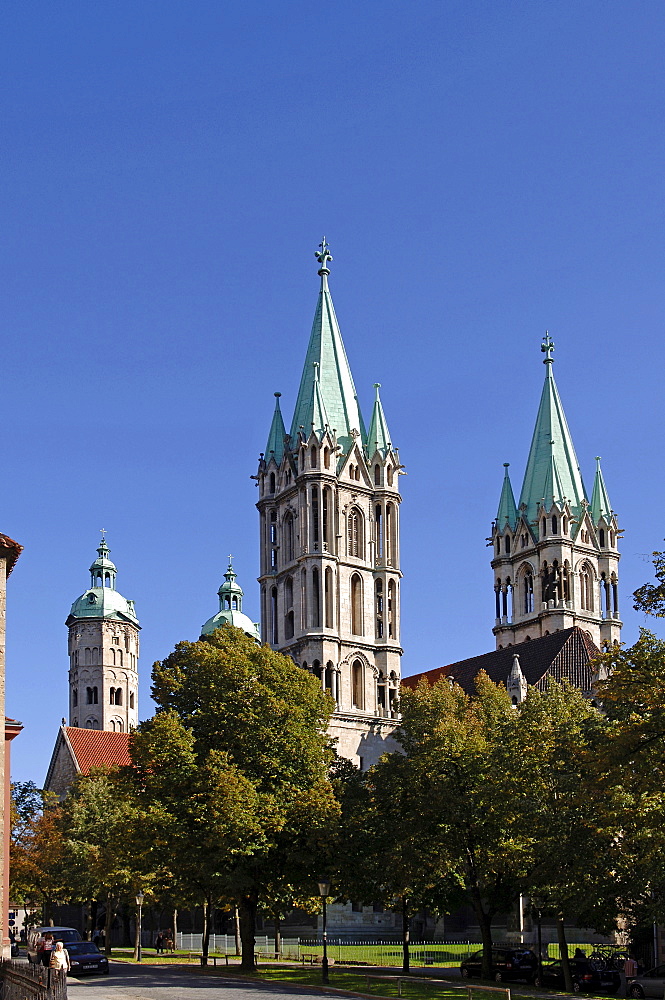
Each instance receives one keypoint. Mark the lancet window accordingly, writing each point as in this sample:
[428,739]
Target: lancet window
[356,605]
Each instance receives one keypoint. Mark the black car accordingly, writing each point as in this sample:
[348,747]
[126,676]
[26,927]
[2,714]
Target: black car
[86,959]
[587,975]
[507,964]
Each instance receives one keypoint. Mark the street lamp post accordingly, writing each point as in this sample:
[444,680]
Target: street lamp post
[324,892]
[139,902]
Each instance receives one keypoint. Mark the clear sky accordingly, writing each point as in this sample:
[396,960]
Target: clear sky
[483,171]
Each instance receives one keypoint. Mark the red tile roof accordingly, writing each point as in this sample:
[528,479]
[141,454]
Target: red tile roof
[11,550]
[98,748]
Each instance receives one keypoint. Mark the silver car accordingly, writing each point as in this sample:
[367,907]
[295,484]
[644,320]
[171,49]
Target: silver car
[649,984]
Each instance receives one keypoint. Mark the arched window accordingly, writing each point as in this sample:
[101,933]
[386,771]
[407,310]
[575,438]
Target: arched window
[586,589]
[288,625]
[378,608]
[326,508]
[554,526]
[326,457]
[498,546]
[118,696]
[113,656]
[377,474]
[358,685]
[507,545]
[288,604]
[565,580]
[273,616]
[378,520]
[357,473]
[75,698]
[316,669]
[273,539]
[87,656]
[95,654]
[601,538]
[316,599]
[95,696]
[288,592]
[312,457]
[351,475]
[391,535]
[302,459]
[544,527]
[355,533]
[289,538]
[131,699]
[564,527]
[612,538]
[389,471]
[528,593]
[111,696]
[330,622]
[315,519]
[272,482]
[88,696]
[107,579]
[356,605]
[392,609]
[303,599]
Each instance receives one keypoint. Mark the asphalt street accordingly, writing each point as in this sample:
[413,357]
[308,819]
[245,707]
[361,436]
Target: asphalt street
[128,982]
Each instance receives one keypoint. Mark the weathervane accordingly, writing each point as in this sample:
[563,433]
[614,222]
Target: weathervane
[547,347]
[323,255]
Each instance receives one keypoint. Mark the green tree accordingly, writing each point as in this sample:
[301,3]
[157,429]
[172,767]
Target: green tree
[471,795]
[650,597]
[265,719]
[37,869]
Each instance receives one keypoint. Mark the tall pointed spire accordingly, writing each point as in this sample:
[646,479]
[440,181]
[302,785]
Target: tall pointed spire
[319,415]
[378,436]
[600,501]
[336,389]
[552,464]
[507,512]
[275,446]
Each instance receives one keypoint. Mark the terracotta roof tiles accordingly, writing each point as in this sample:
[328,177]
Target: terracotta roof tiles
[98,748]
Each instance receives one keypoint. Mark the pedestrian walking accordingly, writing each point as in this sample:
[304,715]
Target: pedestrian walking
[60,958]
[159,943]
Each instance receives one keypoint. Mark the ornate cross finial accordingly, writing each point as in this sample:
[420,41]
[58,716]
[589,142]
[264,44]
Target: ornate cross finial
[103,531]
[230,559]
[547,347]
[323,255]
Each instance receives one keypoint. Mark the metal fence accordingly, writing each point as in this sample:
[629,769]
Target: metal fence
[21,981]
[444,954]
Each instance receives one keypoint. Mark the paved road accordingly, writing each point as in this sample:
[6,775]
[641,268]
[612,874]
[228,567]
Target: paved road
[128,982]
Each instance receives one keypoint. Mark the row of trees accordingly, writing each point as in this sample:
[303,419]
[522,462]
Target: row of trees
[235,797]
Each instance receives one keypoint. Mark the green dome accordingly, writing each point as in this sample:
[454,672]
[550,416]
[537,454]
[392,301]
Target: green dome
[235,618]
[230,608]
[102,600]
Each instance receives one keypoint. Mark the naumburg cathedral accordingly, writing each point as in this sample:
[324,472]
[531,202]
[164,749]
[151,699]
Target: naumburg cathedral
[330,578]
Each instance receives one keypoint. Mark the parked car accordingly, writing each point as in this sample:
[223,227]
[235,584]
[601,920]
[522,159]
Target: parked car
[588,974]
[37,937]
[86,959]
[507,964]
[648,984]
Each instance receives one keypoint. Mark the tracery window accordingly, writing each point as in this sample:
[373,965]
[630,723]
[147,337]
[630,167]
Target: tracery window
[355,532]
[378,608]
[356,605]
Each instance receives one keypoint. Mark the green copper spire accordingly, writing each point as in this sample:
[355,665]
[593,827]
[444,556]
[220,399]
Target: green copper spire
[507,512]
[275,446]
[600,501]
[318,407]
[552,466]
[378,436]
[336,390]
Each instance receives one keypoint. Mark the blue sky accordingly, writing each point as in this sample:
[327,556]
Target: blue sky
[482,171]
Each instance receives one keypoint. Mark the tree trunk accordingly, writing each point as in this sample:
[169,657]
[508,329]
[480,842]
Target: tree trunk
[236,930]
[485,924]
[108,925]
[93,919]
[278,934]
[205,940]
[248,905]
[175,926]
[563,953]
[406,934]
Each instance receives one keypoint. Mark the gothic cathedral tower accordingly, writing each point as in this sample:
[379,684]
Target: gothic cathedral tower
[103,653]
[329,523]
[556,557]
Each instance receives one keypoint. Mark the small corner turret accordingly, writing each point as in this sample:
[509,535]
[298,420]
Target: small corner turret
[230,608]
[555,558]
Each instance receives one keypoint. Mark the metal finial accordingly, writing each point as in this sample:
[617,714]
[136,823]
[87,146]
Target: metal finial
[315,365]
[506,465]
[323,255]
[547,347]
[277,395]
[103,531]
